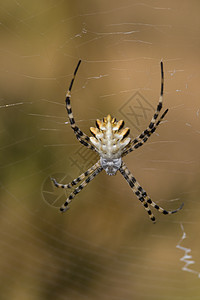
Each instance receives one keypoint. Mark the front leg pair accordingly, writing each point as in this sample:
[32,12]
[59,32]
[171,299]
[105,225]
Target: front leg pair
[142,195]
[91,173]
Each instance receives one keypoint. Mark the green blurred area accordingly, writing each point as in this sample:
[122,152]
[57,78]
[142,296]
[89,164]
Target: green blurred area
[105,246]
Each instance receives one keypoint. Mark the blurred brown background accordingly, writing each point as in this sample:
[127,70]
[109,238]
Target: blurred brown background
[105,246]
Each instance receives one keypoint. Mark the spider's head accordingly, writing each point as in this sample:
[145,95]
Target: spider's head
[111,166]
[109,137]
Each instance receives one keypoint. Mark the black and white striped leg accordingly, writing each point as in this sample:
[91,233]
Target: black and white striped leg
[143,140]
[159,107]
[81,136]
[142,195]
[78,179]
[77,190]
[150,129]
[129,178]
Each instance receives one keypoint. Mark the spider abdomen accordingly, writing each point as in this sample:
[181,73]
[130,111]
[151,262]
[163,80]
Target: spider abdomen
[109,139]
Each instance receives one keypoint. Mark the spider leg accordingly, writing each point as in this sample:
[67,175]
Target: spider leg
[159,107]
[80,187]
[78,179]
[134,145]
[81,136]
[150,129]
[127,175]
[142,195]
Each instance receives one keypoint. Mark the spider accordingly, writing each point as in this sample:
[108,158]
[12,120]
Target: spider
[110,140]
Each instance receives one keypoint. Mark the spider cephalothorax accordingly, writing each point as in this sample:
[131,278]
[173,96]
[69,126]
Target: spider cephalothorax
[112,143]
[110,140]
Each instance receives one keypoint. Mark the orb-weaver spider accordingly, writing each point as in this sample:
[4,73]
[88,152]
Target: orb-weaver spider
[110,140]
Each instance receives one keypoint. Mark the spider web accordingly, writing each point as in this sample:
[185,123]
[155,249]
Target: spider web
[105,246]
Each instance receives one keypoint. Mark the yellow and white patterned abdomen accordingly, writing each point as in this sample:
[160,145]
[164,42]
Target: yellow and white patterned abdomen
[109,140]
